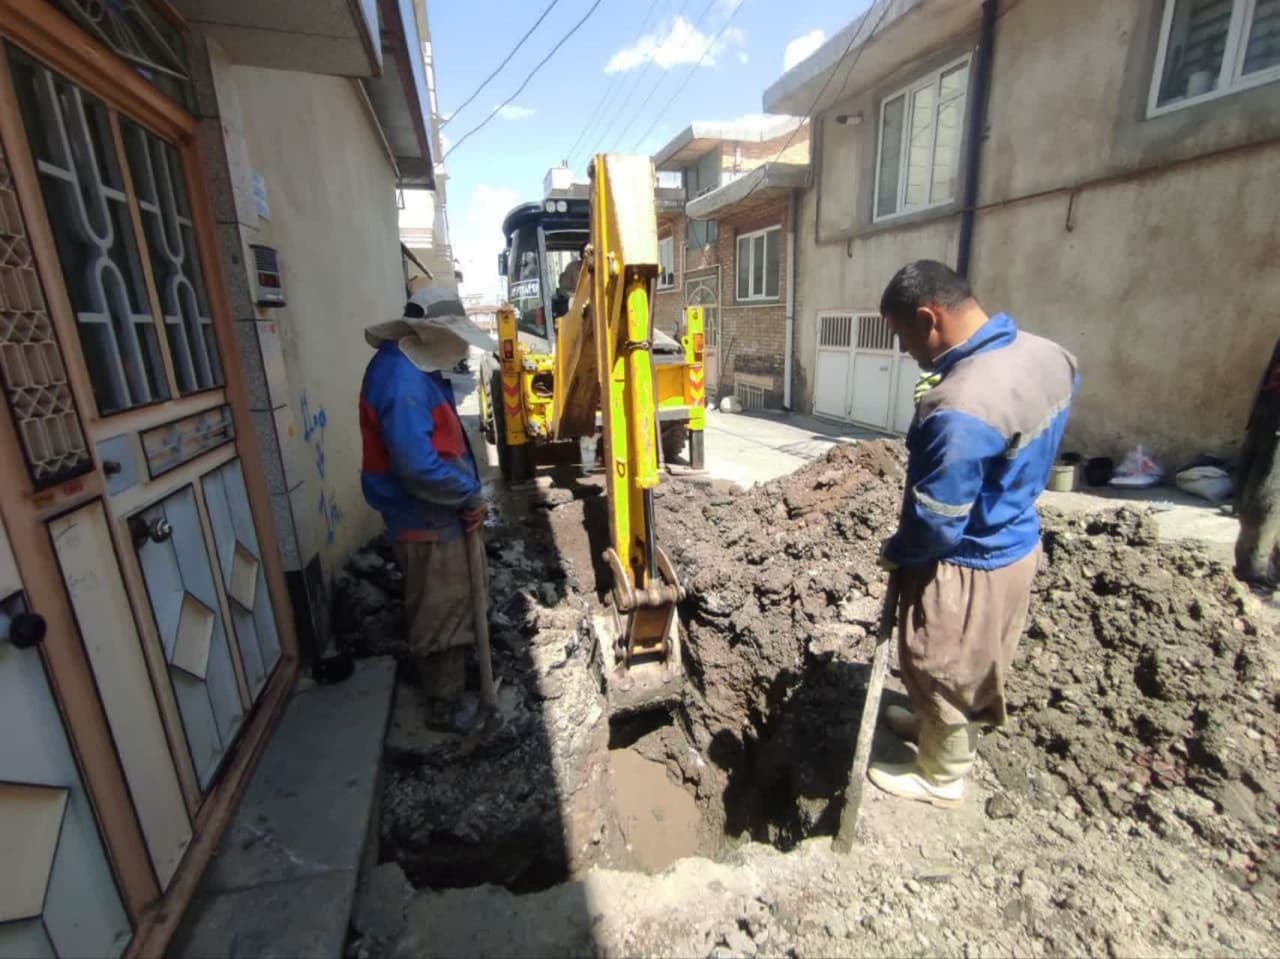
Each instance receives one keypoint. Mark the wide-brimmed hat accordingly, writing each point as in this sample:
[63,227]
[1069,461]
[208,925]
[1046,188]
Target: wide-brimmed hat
[434,331]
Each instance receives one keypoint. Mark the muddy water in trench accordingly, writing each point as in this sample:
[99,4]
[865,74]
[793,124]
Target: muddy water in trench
[659,818]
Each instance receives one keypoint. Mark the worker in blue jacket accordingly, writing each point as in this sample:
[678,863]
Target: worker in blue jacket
[419,473]
[989,420]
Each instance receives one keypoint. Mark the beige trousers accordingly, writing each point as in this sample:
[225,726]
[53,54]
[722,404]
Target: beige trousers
[958,630]
[439,612]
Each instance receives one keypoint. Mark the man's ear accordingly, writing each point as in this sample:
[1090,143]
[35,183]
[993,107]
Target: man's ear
[928,318]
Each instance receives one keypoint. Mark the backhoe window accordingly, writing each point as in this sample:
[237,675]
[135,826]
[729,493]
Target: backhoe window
[564,260]
[525,283]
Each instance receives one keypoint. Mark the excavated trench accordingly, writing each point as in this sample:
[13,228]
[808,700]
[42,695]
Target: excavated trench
[1143,691]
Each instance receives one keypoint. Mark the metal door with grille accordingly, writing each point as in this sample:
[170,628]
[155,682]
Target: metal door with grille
[861,373]
[834,359]
[871,376]
[122,489]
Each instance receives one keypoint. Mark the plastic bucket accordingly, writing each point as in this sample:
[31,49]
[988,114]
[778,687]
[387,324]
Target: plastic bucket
[1062,478]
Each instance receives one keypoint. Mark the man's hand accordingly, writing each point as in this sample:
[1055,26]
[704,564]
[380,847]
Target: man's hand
[886,563]
[473,519]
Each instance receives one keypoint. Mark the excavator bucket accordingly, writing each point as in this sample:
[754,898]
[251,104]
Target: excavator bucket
[637,642]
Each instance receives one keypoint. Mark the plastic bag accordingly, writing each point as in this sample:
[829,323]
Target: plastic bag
[1138,469]
[1207,482]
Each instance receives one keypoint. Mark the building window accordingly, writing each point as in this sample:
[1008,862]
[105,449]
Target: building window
[759,264]
[704,176]
[1209,48]
[666,263]
[701,233]
[920,133]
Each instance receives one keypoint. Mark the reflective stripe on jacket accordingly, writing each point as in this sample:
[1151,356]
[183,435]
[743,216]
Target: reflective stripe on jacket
[981,448]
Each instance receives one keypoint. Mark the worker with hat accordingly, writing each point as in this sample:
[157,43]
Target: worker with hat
[990,417]
[419,472]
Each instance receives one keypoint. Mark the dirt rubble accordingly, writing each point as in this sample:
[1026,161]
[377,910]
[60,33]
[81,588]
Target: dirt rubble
[1130,806]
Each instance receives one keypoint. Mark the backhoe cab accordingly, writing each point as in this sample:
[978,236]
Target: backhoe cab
[579,361]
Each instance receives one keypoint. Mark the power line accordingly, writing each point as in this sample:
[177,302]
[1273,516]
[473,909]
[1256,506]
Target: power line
[628,111]
[614,85]
[818,99]
[654,89]
[525,82]
[640,76]
[688,76]
[505,60]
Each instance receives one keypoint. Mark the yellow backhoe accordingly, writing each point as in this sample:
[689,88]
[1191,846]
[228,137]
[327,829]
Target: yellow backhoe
[578,359]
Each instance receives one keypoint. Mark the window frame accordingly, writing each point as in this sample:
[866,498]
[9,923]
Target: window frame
[667,265]
[931,79]
[1230,78]
[762,296]
[711,231]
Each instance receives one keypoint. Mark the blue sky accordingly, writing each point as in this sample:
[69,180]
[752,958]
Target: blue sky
[626,52]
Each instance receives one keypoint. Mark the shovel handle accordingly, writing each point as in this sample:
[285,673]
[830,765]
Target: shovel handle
[843,841]
[476,563]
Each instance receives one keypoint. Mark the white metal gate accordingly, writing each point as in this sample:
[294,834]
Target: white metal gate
[831,375]
[861,373]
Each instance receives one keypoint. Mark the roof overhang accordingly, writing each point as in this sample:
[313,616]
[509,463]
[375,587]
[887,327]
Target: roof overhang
[400,96]
[698,139]
[764,182]
[311,36]
[378,41]
[891,34]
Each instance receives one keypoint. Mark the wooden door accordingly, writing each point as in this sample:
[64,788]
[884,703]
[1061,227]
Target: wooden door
[57,894]
[134,530]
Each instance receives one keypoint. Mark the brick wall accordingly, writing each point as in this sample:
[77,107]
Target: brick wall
[668,307]
[753,333]
[738,158]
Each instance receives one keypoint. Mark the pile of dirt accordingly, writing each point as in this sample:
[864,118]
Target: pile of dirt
[1144,691]
[1148,691]
[1142,703]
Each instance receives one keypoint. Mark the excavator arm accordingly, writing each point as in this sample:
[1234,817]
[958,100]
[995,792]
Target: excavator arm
[604,361]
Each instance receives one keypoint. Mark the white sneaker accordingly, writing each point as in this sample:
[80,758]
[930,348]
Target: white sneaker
[906,781]
[902,722]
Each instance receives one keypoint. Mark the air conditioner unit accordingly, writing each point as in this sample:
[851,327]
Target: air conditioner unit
[268,283]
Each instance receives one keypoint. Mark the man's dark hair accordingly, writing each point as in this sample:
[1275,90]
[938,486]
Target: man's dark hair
[924,283]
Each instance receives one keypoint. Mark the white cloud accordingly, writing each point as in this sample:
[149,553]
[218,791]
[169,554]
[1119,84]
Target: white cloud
[744,57]
[678,44]
[513,111]
[477,235]
[802,47]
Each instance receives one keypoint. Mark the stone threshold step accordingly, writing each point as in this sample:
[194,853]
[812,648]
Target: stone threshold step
[283,880]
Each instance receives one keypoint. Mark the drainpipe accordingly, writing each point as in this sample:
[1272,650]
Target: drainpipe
[977,127]
[793,233]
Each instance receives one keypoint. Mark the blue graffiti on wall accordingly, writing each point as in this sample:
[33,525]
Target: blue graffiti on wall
[313,433]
